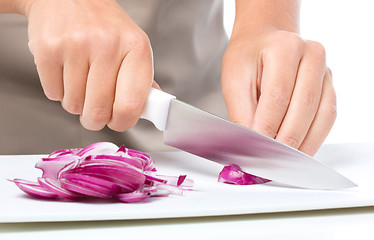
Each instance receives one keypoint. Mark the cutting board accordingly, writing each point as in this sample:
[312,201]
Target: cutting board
[209,198]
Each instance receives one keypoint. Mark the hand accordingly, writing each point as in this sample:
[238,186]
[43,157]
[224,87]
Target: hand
[93,58]
[276,83]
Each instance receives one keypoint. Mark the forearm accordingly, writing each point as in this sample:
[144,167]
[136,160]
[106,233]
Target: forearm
[258,15]
[13,6]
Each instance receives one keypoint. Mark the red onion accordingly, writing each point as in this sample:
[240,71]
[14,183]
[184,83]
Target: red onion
[101,170]
[233,174]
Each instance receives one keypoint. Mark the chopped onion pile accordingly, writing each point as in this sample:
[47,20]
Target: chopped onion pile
[233,174]
[102,170]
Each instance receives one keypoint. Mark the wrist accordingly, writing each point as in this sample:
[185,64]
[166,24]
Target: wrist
[15,6]
[261,16]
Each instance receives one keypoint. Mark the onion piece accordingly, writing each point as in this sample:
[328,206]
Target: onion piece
[133,196]
[52,166]
[24,182]
[55,187]
[63,152]
[233,174]
[35,190]
[99,148]
[181,180]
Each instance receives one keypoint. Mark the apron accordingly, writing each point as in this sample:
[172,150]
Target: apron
[188,41]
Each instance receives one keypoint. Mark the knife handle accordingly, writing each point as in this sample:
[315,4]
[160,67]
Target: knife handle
[157,107]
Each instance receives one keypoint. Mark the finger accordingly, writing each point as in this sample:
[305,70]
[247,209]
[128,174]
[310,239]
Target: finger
[277,83]
[100,89]
[239,90]
[305,98]
[75,78]
[323,120]
[50,68]
[51,74]
[155,85]
[134,80]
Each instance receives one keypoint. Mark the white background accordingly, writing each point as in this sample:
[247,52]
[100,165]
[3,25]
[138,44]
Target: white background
[346,29]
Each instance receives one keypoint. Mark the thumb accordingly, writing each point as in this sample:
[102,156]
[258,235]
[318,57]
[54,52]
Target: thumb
[155,85]
[239,90]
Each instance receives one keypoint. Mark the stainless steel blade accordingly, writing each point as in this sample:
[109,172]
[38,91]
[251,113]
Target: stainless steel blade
[203,134]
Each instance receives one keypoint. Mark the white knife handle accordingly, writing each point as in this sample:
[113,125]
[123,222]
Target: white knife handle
[157,107]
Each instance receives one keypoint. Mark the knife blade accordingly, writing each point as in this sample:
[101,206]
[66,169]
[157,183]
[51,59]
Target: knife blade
[213,138]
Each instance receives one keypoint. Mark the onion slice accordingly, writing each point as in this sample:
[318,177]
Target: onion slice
[133,197]
[55,187]
[233,174]
[34,189]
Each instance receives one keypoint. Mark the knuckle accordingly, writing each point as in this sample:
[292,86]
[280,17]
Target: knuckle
[138,40]
[72,107]
[110,42]
[45,49]
[121,127]
[329,72]
[317,49]
[331,110]
[53,95]
[50,46]
[291,141]
[106,41]
[76,41]
[98,116]
[127,110]
[268,129]
[243,121]
[280,97]
[288,40]
[310,99]
[116,127]
[128,113]
[32,46]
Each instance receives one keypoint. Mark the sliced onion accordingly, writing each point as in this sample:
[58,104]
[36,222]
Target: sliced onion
[24,182]
[55,186]
[63,152]
[233,174]
[101,170]
[165,190]
[133,196]
[111,186]
[35,190]
[98,149]
[155,179]
[84,190]
[181,180]
[131,161]
[52,166]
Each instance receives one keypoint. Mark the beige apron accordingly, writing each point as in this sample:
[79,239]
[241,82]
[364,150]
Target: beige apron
[188,41]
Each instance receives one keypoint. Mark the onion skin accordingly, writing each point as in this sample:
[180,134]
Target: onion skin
[101,170]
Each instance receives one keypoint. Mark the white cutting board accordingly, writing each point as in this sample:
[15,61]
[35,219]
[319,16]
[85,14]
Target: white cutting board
[210,198]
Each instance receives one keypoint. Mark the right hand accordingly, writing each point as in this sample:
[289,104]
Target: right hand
[93,58]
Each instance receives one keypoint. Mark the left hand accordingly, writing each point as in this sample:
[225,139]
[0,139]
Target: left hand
[276,83]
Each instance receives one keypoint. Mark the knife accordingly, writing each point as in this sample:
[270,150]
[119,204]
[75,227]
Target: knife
[203,134]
